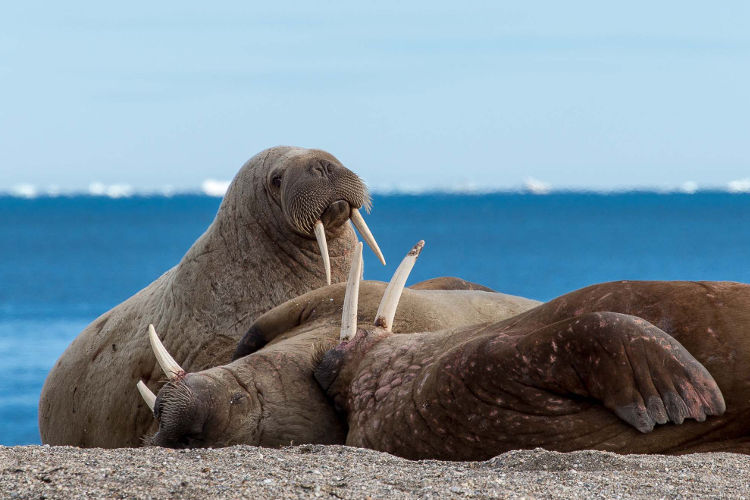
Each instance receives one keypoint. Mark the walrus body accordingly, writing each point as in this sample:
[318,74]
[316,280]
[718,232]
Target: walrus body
[599,368]
[258,252]
[268,395]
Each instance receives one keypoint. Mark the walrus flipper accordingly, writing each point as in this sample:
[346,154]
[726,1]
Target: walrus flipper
[635,369]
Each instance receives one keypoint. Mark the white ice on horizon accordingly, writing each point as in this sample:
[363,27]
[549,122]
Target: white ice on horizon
[739,186]
[535,186]
[209,187]
[218,188]
[24,191]
[689,187]
[111,191]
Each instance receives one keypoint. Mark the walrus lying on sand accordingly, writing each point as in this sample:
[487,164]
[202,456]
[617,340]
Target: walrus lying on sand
[260,251]
[597,368]
[615,366]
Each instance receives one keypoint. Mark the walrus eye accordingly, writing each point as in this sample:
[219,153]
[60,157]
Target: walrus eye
[276,181]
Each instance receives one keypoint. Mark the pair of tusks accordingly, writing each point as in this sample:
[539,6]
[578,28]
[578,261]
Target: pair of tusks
[364,231]
[391,296]
[383,318]
[171,368]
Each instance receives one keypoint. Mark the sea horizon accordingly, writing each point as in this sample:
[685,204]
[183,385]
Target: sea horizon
[217,188]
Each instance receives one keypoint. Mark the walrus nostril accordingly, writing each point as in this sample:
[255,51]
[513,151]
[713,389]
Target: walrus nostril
[336,214]
[320,169]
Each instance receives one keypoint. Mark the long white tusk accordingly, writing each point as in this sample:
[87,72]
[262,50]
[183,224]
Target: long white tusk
[351,299]
[389,302]
[364,231]
[320,235]
[171,369]
[146,394]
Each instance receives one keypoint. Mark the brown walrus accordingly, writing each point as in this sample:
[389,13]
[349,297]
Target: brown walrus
[584,371]
[268,395]
[615,366]
[260,251]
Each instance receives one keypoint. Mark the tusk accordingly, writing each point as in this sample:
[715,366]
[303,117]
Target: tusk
[351,298]
[146,394]
[364,231]
[389,302]
[171,369]
[320,235]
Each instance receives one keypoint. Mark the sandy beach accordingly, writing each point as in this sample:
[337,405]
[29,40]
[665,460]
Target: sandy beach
[342,472]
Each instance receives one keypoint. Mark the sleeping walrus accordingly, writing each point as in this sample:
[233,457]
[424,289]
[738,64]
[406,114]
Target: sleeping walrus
[617,366]
[260,251]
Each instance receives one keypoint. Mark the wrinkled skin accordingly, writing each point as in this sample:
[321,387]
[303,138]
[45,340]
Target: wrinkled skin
[268,395]
[258,252]
[611,367]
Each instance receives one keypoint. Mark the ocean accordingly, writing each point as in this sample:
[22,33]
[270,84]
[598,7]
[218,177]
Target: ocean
[65,260]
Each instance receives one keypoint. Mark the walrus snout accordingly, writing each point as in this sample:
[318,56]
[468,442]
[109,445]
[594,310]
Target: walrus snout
[323,198]
[309,189]
[336,214]
[182,409]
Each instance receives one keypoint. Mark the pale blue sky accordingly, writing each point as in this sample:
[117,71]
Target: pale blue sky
[411,94]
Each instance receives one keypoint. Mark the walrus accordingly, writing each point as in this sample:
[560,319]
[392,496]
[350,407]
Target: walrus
[616,366]
[284,207]
[268,395]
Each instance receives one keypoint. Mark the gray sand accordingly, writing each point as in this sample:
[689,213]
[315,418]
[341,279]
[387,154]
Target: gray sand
[338,471]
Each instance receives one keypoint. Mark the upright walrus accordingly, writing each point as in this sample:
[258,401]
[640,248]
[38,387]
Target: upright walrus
[260,251]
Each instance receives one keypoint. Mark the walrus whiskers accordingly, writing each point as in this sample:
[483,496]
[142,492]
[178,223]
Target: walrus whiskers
[389,302]
[351,298]
[320,235]
[366,234]
[171,369]
[148,396]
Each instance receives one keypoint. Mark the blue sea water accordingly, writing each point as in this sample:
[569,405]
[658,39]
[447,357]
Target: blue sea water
[65,260]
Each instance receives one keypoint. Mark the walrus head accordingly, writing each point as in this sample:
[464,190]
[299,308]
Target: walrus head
[311,192]
[270,400]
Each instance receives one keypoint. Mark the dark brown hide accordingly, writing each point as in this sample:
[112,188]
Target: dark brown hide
[594,369]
